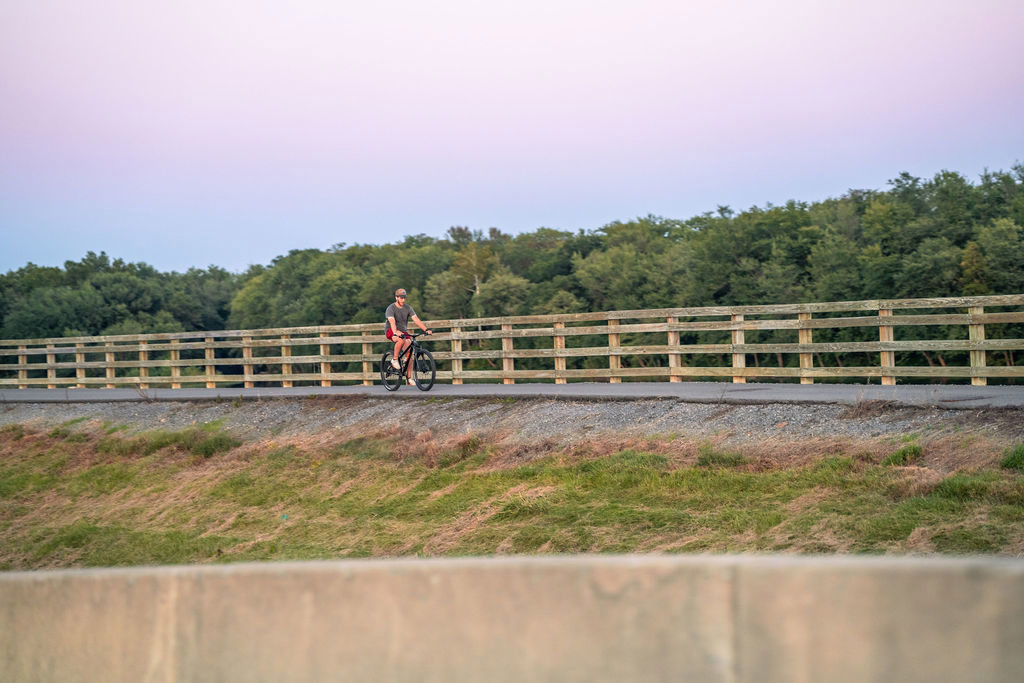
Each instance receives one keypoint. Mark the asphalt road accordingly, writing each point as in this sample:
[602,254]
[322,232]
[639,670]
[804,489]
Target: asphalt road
[946,396]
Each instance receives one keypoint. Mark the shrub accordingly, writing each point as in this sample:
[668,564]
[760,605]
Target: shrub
[464,449]
[14,431]
[907,455]
[197,441]
[215,443]
[709,457]
[112,445]
[1014,459]
[966,486]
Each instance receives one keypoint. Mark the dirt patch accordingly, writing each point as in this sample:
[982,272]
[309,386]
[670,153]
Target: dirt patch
[920,541]
[864,409]
[440,493]
[914,481]
[809,500]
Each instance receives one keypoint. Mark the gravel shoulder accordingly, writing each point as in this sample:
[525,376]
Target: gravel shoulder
[531,421]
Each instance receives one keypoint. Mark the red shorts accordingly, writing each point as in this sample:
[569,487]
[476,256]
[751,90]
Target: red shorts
[390,334]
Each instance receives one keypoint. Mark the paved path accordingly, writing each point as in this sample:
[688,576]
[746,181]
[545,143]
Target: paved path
[947,396]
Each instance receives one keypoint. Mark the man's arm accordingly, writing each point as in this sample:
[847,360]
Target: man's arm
[394,325]
[419,324]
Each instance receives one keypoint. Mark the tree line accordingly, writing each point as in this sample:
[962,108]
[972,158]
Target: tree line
[943,236]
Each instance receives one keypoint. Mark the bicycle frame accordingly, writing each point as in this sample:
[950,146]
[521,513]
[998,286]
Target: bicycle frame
[406,356]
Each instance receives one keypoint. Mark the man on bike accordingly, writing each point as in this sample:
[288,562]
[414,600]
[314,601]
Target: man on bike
[398,315]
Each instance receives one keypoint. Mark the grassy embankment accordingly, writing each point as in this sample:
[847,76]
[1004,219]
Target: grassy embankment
[89,495]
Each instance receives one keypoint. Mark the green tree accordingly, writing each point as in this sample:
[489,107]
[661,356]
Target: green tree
[538,256]
[884,225]
[201,299]
[614,278]
[933,270]
[560,302]
[953,209]
[996,261]
[834,271]
[503,293]
[331,298]
[879,272]
[446,296]
[972,265]
[55,312]
[473,264]
[144,323]
[276,298]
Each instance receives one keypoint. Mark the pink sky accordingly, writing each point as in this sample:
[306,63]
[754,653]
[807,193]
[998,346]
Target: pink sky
[252,128]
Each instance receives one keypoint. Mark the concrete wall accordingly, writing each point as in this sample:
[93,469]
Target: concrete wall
[705,618]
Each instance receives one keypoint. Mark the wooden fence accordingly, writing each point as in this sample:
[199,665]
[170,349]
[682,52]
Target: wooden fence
[920,339]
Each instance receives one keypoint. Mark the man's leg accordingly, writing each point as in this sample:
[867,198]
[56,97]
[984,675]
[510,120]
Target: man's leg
[397,353]
[406,343]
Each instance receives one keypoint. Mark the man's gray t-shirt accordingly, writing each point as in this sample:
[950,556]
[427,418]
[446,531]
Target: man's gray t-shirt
[401,316]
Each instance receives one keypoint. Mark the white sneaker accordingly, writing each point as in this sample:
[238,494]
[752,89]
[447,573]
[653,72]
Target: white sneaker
[395,364]
[412,382]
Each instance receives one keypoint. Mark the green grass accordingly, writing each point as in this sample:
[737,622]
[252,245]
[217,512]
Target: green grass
[13,432]
[1014,459]
[135,500]
[908,455]
[709,457]
[203,441]
[95,545]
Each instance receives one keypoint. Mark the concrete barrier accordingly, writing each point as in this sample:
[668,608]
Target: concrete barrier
[633,618]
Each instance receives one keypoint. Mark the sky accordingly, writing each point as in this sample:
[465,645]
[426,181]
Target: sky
[212,132]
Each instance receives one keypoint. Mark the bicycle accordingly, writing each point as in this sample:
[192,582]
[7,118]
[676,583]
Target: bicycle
[424,370]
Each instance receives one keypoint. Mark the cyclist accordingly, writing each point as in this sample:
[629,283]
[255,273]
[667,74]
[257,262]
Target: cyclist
[398,315]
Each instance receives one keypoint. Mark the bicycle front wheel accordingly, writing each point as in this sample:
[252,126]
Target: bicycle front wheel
[389,377]
[424,370]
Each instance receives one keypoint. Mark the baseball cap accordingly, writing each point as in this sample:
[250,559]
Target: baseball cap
[400,292]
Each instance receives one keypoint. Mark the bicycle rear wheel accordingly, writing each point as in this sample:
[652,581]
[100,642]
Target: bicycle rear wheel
[389,377]
[424,370]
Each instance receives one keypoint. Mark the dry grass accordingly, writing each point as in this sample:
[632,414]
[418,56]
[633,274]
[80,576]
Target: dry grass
[398,492]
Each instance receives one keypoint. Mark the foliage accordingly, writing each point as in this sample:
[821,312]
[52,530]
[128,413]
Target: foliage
[707,456]
[99,296]
[907,455]
[943,236]
[202,441]
[1014,459]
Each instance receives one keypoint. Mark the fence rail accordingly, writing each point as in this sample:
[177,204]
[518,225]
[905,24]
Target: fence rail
[670,343]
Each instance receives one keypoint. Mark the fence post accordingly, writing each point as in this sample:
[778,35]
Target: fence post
[977,334]
[675,360]
[286,368]
[175,369]
[558,342]
[367,364]
[507,364]
[143,371]
[51,372]
[614,361]
[79,371]
[211,383]
[22,374]
[456,350]
[111,374]
[247,362]
[805,336]
[885,334]
[739,360]
[325,367]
